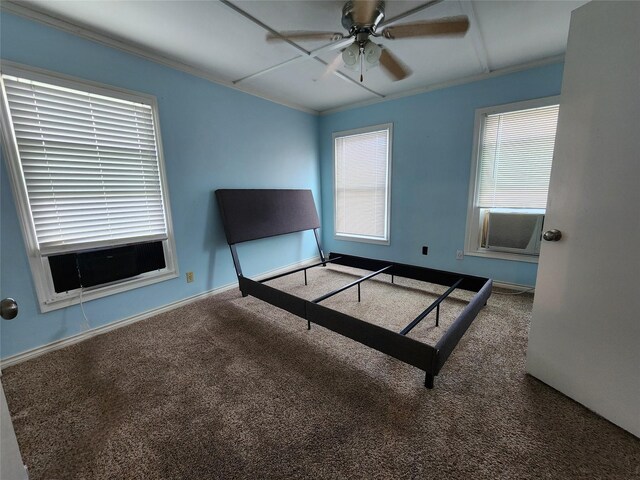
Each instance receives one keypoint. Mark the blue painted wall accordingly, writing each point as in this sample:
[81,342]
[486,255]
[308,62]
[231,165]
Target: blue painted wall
[432,148]
[213,137]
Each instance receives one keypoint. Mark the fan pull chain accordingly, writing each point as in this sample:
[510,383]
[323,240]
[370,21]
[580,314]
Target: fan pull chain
[361,62]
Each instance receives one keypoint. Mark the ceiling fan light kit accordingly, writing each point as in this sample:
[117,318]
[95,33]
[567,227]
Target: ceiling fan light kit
[361,19]
[369,55]
[372,53]
[351,55]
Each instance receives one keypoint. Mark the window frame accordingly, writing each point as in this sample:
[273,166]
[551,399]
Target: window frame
[48,299]
[362,238]
[472,232]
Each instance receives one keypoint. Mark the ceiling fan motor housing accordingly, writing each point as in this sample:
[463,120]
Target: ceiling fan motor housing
[350,24]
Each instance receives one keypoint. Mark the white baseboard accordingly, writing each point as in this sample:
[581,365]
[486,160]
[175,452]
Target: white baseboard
[79,337]
[514,286]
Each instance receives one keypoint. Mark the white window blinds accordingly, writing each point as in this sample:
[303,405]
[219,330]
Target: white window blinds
[90,166]
[361,184]
[515,158]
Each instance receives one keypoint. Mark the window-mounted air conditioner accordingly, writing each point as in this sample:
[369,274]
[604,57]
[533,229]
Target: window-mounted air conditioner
[513,232]
[100,267]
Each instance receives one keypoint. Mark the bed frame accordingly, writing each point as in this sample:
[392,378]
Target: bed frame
[255,214]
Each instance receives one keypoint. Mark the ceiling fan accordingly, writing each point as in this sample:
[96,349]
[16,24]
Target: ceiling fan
[361,19]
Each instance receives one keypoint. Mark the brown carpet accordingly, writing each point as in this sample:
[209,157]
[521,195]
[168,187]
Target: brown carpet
[231,387]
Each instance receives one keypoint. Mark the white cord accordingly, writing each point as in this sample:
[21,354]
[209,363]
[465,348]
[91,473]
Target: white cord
[85,324]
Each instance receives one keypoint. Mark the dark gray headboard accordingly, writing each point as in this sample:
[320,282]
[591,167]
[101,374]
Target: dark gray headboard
[253,214]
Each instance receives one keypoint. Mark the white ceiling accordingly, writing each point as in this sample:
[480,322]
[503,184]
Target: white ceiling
[214,40]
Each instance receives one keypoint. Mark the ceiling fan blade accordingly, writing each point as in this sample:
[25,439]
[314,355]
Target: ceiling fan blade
[304,35]
[393,65]
[429,28]
[363,11]
[332,66]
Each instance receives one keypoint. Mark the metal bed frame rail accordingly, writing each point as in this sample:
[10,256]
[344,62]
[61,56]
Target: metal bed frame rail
[396,344]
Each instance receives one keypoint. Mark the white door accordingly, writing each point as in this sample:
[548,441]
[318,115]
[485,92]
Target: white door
[585,329]
[11,466]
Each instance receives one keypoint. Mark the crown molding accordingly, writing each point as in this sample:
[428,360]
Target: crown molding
[35,14]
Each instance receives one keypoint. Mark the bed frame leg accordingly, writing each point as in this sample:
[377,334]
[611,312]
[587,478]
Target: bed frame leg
[236,264]
[428,380]
[308,324]
[315,234]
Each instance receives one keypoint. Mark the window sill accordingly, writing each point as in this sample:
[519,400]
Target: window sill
[67,299]
[362,239]
[515,257]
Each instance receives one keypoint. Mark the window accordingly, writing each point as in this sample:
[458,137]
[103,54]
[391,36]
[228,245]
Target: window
[362,175]
[510,179]
[87,173]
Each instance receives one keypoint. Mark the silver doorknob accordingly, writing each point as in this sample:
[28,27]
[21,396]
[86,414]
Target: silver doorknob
[552,235]
[8,309]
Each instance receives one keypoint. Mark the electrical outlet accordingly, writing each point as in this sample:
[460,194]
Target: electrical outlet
[459,255]
[425,250]
[189,277]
